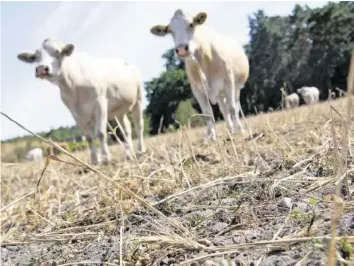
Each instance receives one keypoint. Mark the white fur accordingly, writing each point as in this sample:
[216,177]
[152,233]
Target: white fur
[292,100]
[310,95]
[34,154]
[215,61]
[96,90]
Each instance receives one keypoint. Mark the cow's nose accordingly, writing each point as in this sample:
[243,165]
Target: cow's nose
[42,70]
[182,50]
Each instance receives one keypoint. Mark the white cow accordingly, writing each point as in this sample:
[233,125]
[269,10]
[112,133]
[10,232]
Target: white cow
[94,89]
[310,95]
[34,154]
[292,100]
[212,60]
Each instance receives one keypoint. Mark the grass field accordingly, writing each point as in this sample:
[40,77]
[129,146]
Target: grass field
[261,201]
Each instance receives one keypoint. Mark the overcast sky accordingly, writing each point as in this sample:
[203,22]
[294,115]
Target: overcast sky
[100,29]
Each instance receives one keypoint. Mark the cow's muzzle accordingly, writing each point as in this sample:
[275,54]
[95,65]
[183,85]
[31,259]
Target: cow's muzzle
[182,50]
[42,71]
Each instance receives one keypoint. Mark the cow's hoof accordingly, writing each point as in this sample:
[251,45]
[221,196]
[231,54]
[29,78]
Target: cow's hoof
[142,150]
[105,162]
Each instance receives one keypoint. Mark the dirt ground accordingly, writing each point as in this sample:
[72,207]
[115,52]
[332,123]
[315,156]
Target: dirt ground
[265,200]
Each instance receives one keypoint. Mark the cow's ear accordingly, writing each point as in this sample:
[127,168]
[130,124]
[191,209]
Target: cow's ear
[27,57]
[159,30]
[200,18]
[68,49]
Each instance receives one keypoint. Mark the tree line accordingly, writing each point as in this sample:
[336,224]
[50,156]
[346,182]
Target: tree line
[309,47]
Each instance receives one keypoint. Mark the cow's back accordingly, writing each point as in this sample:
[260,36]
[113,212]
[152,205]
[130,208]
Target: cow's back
[223,50]
[84,78]
[232,52]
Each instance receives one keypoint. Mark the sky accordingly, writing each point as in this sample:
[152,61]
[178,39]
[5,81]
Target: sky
[100,29]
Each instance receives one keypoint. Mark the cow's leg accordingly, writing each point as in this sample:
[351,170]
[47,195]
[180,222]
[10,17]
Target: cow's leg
[87,131]
[101,128]
[232,94]
[206,110]
[138,117]
[127,129]
[238,110]
[225,112]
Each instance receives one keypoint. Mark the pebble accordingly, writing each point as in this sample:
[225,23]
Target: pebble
[285,203]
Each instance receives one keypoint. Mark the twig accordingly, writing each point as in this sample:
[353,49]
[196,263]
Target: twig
[337,208]
[160,125]
[234,248]
[131,148]
[18,200]
[89,262]
[40,216]
[350,90]
[212,183]
[228,229]
[275,236]
[171,221]
[299,263]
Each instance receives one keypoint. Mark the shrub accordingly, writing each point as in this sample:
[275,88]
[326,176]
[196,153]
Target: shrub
[184,113]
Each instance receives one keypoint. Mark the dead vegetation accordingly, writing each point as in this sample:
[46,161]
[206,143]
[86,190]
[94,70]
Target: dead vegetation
[254,201]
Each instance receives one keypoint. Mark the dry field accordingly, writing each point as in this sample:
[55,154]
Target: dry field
[264,200]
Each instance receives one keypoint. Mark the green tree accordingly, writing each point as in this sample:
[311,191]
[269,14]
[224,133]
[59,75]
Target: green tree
[184,114]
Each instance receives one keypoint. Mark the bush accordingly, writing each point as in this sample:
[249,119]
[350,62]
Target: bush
[78,146]
[184,113]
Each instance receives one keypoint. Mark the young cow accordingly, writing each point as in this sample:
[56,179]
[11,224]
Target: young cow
[310,95]
[94,89]
[212,60]
[34,154]
[292,100]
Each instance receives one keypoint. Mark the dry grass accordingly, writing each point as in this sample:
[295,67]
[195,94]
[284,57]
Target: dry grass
[182,189]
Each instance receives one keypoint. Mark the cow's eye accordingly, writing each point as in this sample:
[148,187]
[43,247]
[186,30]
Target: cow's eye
[191,25]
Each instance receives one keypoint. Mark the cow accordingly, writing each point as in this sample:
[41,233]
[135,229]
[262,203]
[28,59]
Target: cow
[216,65]
[341,92]
[95,90]
[310,95]
[331,95]
[292,100]
[34,154]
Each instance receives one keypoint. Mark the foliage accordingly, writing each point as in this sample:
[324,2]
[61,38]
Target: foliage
[184,113]
[78,146]
[311,47]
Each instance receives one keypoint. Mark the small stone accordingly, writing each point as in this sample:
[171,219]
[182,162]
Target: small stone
[302,207]
[164,261]
[277,260]
[4,254]
[285,203]
[218,227]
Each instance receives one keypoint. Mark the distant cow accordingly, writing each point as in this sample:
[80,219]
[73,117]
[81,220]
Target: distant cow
[95,90]
[310,95]
[331,95]
[212,60]
[341,92]
[292,100]
[34,154]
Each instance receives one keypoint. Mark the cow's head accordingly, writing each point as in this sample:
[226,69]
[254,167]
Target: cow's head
[182,28]
[48,58]
[302,90]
